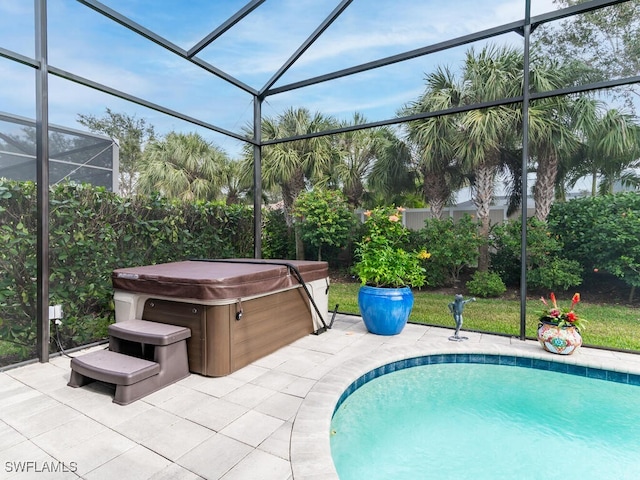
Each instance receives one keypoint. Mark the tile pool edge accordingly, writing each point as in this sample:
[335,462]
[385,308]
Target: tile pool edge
[491,359]
[310,441]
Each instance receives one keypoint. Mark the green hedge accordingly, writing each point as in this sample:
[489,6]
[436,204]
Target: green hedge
[92,232]
[601,233]
[548,268]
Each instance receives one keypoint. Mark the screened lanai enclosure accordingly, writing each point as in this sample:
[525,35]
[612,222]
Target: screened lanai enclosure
[219,70]
[75,156]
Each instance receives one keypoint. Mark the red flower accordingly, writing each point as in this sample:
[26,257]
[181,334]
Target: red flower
[574,300]
[559,316]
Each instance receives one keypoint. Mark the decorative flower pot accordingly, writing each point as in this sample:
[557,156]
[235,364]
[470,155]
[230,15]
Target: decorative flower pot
[385,311]
[561,340]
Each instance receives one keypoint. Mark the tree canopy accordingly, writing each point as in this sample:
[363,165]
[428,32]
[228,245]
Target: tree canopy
[132,134]
[598,45]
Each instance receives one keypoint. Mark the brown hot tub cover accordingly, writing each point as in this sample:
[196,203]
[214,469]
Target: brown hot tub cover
[216,280]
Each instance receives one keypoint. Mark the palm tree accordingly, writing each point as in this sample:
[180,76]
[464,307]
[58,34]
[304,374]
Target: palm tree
[609,149]
[551,137]
[493,74]
[612,146]
[235,186]
[371,163]
[291,166]
[393,179]
[183,166]
[434,140]
[358,151]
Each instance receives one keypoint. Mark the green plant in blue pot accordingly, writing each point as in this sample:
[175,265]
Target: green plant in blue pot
[387,271]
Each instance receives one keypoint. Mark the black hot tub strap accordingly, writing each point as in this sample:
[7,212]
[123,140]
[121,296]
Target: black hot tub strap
[292,268]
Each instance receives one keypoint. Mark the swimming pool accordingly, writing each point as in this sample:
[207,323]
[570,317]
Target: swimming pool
[484,420]
[310,445]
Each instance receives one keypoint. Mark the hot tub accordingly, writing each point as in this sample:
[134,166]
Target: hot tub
[238,310]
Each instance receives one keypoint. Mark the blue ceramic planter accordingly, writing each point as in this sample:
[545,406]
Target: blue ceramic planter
[385,311]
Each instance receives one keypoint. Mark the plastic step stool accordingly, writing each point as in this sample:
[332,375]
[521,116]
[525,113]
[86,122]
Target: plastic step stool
[164,345]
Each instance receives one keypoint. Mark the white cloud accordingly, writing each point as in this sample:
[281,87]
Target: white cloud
[253,51]
[396,28]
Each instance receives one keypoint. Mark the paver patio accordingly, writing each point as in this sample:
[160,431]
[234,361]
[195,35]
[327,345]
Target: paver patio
[267,421]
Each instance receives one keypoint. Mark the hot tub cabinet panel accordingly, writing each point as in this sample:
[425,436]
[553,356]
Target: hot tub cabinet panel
[227,333]
[220,344]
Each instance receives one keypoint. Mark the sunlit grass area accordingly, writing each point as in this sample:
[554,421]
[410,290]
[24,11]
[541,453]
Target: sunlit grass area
[611,326]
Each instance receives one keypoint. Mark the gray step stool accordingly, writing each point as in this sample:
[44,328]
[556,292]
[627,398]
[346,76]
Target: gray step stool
[143,357]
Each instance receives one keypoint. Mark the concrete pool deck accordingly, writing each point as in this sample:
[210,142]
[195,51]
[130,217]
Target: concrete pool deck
[269,420]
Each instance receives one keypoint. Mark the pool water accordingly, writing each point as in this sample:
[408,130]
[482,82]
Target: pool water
[480,421]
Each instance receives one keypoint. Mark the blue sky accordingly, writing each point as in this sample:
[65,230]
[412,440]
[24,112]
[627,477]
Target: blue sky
[84,43]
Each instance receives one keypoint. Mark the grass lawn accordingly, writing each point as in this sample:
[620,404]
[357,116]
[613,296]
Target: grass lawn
[610,326]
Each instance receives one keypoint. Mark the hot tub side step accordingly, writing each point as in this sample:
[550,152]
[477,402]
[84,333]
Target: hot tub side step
[136,377]
[133,377]
[113,367]
[150,333]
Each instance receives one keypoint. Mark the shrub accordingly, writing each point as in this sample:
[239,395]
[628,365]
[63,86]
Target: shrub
[546,266]
[557,274]
[453,247]
[93,232]
[277,239]
[324,219]
[601,233]
[486,284]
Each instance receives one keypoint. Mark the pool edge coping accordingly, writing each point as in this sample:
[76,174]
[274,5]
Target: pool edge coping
[310,448]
